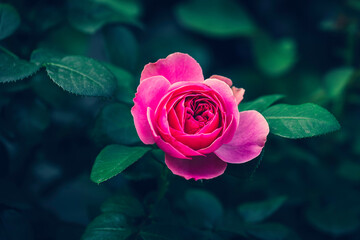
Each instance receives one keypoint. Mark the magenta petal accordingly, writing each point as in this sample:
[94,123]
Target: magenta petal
[249,139]
[149,94]
[176,67]
[222,78]
[206,167]
[227,95]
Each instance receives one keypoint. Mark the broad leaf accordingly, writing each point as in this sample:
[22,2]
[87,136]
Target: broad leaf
[81,75]
[337,80]
[261,103]
[215,18]
[9,20]
[258,211]
[113,159]
[109,226]
[13,68]
[300,121]
[90,15]
[115,124]
[124,204]
[41,56]
[199,202]
[274,57]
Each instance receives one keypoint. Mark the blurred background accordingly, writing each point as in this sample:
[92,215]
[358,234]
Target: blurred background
[301,189]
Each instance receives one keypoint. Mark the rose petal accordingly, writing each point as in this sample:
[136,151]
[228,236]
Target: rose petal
[206,167]
[227,95]
[197,141]
[149,94]
[176,67]
[224,79]
[249,139]
[238,94]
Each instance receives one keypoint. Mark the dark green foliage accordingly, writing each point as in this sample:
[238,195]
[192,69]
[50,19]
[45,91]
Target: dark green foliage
[301,54]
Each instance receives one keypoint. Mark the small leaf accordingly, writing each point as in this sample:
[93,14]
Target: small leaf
[337,80]
[261,103]
[274,58]
[113,159]
[349,170]
[13,68]
[258,211]
[300,121]
[115,124]
[109,226]
[124,204]
[81,75]
[215,18]
[199,204]
[9,20]
[333,219]
[90,15]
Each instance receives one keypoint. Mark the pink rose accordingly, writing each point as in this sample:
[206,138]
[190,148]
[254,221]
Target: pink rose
[196,122]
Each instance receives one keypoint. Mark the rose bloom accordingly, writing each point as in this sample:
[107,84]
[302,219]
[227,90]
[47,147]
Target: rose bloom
[196,122]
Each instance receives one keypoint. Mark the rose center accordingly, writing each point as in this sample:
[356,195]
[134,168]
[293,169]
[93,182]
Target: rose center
[199,111]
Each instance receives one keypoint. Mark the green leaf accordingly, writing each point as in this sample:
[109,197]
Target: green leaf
[337,80]
[333,219]
[204,209]
[42,55]
[108,226]
[300,121]
[125,91]
[113,159]
[116,124]
[124,204]
[215,18]
[90,15]
[13,68]
[261,103]
[271,231]
[81,75]
[258,211]
[274,58]
[9,20]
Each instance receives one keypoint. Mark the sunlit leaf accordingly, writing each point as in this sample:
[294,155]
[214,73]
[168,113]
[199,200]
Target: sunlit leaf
[274,58]
[109,226]
[261,103]
[215,18]
[9,20]
[300,121]
[13,68]
[258,211]
[81,75]
[113,159]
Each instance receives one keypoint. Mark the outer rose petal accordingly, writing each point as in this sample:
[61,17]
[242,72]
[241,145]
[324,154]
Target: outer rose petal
[238,94]
[225,91]
[149,93]
[176,67]
[222,78]
[206,167]
[249,139]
